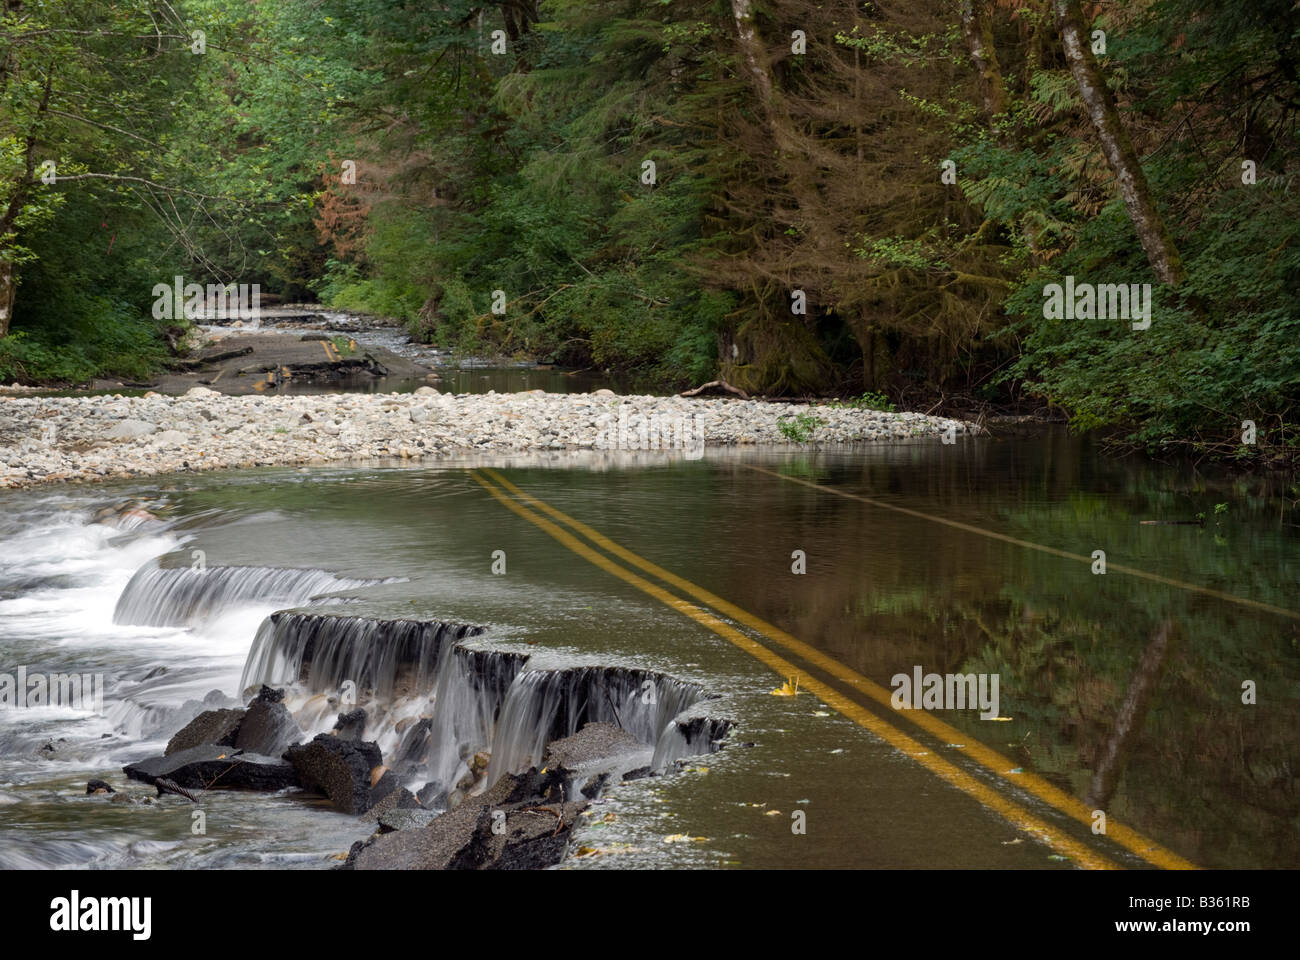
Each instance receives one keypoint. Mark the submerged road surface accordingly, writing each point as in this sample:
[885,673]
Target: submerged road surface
[795,586]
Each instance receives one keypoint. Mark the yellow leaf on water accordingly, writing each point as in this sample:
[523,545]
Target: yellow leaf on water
[788,689]
[601,851]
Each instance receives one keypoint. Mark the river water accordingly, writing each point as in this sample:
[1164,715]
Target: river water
[884,591]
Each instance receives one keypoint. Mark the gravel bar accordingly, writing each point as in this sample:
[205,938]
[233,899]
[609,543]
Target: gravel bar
[52,439]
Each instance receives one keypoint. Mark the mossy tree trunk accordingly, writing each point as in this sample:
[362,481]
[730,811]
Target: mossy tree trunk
[8,292]
[977,30]
[1116,145]
[12,206]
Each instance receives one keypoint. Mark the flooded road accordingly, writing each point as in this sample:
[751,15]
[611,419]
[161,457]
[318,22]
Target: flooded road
[451,373]
[1120,691]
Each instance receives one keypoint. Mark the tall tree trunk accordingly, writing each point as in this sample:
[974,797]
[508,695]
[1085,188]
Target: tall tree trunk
[1117,146]
[742,11]
[978,32]
[857,85]
[1033,46]
[751,48]
[869,359]
[11,210]
[857,100]
[8,290]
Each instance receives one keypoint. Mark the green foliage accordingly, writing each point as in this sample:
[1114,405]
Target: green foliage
[167,163]
[800,427]
[523,173]
[85,312]
[898,252]
[396,284]
[870,400]
[540,169]
[1223,349]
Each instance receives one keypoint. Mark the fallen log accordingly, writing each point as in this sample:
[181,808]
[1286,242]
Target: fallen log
[715,385]
[198,362]
[226,355]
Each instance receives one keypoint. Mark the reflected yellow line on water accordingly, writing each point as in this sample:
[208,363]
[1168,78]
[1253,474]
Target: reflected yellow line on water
[1010,811]
[1066,554]
[990,759]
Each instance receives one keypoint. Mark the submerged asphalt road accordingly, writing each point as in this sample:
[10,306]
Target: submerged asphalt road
[923,557]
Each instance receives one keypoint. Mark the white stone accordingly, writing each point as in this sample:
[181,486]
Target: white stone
[131,430]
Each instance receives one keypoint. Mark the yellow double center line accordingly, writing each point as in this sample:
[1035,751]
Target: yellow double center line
[1012,812]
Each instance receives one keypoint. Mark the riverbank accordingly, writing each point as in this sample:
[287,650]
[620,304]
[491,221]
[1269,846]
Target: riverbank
[55,439]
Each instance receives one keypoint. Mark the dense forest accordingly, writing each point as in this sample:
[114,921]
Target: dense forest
[802,198]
